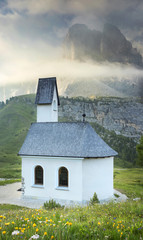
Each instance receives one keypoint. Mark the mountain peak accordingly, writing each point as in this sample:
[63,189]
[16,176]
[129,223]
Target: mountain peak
[82,43]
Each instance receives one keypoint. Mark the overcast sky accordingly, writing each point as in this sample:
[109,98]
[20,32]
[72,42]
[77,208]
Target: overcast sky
[32,31]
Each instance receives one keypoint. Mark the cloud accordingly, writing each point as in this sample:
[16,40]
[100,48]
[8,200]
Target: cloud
[32,32]
[70,6]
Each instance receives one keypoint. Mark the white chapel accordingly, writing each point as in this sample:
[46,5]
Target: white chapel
[64,161]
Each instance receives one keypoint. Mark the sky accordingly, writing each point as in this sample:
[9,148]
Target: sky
[32,33]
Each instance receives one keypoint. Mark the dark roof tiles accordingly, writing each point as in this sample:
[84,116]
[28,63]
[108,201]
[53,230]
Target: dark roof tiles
[45,91]
[65,140]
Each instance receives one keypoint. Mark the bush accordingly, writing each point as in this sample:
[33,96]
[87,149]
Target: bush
[51,204]
[94,199]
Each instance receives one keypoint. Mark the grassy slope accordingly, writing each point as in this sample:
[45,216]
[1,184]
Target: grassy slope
[15,120]
[129,181]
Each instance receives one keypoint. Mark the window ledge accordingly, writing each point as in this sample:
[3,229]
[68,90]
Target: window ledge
[37,186]
[62,188]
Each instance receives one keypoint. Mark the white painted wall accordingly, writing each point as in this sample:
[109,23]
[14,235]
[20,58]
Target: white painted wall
[50,189]
[98,177]
[86,176]
[48,112]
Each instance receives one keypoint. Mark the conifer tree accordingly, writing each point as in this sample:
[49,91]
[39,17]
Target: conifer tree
[139,149]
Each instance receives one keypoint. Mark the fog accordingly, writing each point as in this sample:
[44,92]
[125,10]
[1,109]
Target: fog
[32,33]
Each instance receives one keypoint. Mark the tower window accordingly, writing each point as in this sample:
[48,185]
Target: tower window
[54,105]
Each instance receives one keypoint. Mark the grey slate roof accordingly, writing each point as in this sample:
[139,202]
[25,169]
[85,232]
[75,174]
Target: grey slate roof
[45,91]
[59,139]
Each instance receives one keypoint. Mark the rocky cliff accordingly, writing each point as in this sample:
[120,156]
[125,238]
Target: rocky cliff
[110,45]
[124,116]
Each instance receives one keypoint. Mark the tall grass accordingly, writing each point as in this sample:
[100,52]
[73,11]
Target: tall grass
[112,221]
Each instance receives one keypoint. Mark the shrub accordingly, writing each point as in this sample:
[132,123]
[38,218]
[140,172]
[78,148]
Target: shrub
[51,204]
[94,199]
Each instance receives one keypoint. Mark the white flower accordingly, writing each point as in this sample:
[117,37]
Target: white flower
[36,236]
[16,232]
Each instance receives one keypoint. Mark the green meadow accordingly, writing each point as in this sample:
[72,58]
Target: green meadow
[111,221]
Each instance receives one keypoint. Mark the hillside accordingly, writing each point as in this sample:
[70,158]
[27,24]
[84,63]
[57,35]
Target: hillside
[15,119]
[18,113]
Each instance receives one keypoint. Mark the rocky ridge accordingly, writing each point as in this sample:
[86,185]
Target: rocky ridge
[124,116]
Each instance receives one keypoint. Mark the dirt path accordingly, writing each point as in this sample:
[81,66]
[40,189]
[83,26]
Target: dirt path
[10,195]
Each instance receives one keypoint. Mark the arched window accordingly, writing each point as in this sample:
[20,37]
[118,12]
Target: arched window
[63,177]
[39,175]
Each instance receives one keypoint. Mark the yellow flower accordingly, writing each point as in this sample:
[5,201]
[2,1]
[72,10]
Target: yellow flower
[1,216]
[13,222]
[16,228]
[0,228]
[37,230]
[52,237]
[4,232]
[53,215]
[99,223]
[6,224]
[51,220]
[34,224]
[45,233]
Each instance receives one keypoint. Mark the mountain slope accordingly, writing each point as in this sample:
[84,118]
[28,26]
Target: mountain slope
[15,119]
[17,115]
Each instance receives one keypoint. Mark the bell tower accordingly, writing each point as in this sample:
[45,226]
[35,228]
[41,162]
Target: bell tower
[47,100]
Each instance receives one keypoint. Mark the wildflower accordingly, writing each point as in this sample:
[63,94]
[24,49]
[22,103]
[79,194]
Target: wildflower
[6,224]
[99,223]
[36,236]
[45,233]
[34,224]
[52,237]
[13,222]
[16,232]
[4,232]
[37,230]
[1,216]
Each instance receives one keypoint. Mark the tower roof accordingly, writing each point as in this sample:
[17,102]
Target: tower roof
[65,139]
[45,91]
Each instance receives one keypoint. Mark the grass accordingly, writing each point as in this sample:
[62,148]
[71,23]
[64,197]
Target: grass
[15,119]
[129,182]
[112,221]
[9,181]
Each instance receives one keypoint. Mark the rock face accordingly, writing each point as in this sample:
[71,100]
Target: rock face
[110,45]
[120,115]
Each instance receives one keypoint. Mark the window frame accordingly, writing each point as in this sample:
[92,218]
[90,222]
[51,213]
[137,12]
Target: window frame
[62,186]
[34,177]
